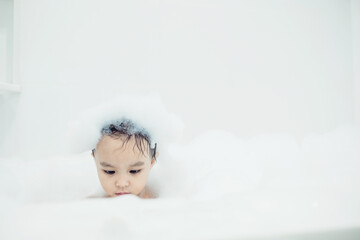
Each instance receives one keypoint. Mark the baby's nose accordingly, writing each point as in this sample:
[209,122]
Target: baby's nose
[122,181]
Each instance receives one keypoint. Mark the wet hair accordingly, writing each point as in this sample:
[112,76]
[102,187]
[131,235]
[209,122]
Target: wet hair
[127,128]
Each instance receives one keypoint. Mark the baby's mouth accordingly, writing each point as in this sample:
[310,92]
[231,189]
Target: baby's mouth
[122,193]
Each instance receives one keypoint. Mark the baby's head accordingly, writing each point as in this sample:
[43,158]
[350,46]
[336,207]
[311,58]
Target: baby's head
[124,158]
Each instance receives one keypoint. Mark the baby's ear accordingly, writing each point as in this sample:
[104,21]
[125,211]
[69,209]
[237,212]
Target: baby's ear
[153,162]
[93,153]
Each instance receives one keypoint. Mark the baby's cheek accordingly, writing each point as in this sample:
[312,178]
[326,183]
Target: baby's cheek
[138,184]
[106,183]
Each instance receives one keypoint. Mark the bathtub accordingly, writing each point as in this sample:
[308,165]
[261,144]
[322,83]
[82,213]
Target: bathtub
[217,186]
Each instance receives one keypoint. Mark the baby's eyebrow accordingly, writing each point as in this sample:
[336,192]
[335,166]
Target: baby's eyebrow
[104,164]
[137,164]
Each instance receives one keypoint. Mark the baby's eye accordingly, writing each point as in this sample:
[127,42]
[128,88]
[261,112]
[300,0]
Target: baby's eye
[109,172]
[134,171]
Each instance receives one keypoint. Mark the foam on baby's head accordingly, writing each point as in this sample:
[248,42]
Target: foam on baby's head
[126,127]
[146,114]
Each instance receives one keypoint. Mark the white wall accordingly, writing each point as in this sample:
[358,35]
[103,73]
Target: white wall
[249,67]
[355,28]
[6,40]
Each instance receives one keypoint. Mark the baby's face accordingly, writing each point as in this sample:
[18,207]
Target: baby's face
[122,168]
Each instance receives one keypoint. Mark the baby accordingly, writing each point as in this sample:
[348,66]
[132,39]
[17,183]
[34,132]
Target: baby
[124,158]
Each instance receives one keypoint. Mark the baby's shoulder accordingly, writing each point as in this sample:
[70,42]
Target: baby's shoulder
[149,193]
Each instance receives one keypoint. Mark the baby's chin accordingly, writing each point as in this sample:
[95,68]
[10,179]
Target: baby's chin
[112,195]
[145,193]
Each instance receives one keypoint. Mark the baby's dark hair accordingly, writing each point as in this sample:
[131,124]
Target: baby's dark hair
[127,128]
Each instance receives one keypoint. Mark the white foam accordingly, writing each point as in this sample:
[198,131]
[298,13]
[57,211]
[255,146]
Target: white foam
[147,111]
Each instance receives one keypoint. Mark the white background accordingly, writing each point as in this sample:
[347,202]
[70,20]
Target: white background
[249,67]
